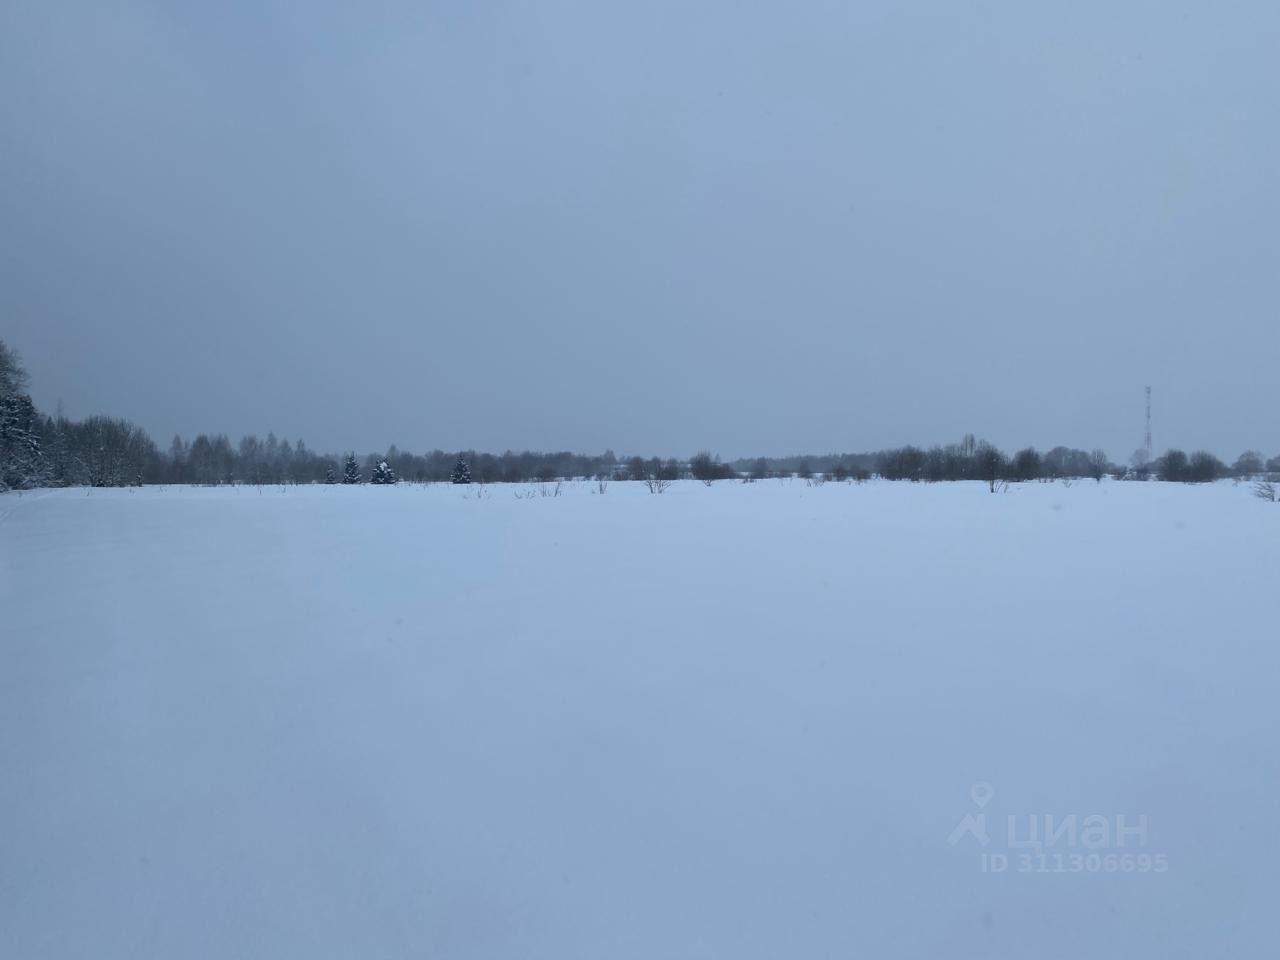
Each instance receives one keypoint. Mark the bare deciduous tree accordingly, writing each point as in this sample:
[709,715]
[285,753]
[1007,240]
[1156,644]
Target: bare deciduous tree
[1097,464]
[1248,463]
[989,465]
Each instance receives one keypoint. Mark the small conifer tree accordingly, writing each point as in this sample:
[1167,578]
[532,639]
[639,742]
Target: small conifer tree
[352,472]
[461,472]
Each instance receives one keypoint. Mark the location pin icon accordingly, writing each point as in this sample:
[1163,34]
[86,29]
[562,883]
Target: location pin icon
[981,793]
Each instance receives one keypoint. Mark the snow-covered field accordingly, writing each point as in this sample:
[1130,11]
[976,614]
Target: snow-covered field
[732,722]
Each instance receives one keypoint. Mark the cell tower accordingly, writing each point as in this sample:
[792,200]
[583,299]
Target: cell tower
[1147,444]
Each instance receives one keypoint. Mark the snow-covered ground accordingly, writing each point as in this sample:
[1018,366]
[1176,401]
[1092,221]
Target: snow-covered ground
[730,722]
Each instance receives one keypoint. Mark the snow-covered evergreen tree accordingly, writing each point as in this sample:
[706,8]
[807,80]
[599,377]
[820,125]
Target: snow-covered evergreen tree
[352,472]
[383,474]
[330,476]
[461,472]
[21,465]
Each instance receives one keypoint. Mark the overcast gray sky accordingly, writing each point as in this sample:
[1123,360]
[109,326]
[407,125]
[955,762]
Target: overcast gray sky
[656,227]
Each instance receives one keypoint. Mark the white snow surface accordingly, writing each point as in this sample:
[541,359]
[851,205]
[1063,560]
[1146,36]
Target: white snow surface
[729,722]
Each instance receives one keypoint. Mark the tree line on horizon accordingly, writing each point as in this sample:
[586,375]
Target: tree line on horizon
[38,450]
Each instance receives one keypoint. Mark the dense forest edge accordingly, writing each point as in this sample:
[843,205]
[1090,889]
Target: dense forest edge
[39,450]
